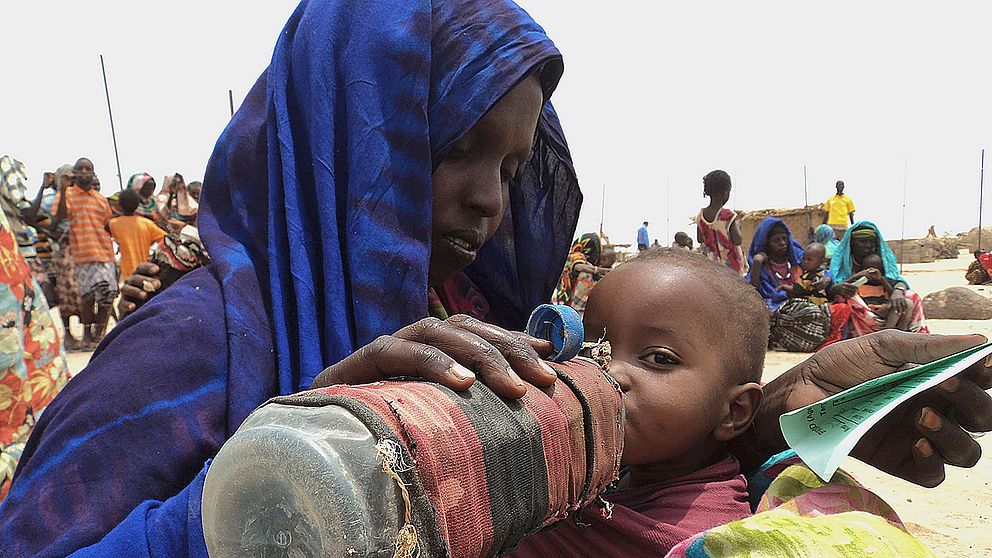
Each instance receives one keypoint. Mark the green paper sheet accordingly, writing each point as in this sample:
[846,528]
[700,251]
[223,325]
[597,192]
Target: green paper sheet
[824,433]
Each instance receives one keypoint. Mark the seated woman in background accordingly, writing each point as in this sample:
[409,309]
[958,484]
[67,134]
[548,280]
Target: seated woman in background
[588,261]
[861,241]
[782,273]
[978,270]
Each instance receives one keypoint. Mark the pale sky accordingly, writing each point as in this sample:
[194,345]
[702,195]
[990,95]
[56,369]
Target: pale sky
[653,94]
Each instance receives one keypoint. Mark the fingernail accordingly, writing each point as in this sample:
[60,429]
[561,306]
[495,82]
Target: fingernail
[951,385]
[924,447]
[988,361]
[460,372]
[548,369]
[930,420]
[512,374]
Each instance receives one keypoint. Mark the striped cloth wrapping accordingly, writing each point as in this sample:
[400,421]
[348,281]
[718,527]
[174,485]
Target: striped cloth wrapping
[488,472]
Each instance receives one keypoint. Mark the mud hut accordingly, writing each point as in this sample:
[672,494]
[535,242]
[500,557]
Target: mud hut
[800,220]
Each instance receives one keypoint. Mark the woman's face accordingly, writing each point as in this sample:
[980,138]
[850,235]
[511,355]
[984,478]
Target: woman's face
[778,246]
[862,247]
[471,185]
[147,189]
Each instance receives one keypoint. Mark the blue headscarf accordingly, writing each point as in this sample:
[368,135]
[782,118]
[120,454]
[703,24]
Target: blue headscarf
[842,264]
[826,236]
[768,286]
[317,215]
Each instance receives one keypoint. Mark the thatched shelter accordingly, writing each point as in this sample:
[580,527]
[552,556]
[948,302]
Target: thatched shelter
[800,220]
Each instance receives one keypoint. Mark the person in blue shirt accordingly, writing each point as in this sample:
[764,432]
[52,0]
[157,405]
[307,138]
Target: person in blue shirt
[643,238]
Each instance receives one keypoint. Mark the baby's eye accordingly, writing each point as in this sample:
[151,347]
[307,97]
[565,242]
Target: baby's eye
[660,357]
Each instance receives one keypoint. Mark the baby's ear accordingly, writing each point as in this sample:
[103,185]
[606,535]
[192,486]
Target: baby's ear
[743,402]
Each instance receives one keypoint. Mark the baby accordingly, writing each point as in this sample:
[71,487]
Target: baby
[877,292]
[814,281]
[688,340]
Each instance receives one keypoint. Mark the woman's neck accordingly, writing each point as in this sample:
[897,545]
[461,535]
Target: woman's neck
[778,259]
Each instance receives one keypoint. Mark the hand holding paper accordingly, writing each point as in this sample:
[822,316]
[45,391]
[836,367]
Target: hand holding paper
[824,433]
[900,444]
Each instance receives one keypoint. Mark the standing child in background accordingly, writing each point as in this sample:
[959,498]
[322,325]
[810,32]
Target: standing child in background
[135,235]
[717,229]
[92,251]
[815,280]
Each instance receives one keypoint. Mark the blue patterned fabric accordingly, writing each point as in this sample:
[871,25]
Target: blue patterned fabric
[768,287]
[842,264]
[317,215]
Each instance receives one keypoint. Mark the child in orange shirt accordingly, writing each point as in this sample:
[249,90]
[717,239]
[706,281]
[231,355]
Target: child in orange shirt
[134,234]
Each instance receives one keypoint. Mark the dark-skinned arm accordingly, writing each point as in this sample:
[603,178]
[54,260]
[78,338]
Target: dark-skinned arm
[735,233]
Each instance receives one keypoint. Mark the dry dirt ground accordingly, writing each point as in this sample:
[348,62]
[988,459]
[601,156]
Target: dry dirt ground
[952,519]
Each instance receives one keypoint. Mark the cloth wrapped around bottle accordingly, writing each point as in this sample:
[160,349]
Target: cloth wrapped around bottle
[399,468]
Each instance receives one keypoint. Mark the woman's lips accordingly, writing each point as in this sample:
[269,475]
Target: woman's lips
[462,246]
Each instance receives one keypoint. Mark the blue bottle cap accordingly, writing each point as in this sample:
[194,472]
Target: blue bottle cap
[562,326]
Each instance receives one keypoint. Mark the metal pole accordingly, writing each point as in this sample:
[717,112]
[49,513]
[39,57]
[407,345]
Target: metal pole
[981,197]
[230,97]
[902,242]
[113,133]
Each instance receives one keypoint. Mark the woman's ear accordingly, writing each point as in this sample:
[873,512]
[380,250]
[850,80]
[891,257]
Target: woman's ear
[743,402]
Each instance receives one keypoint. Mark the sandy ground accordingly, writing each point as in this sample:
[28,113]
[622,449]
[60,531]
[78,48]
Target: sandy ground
[952,519]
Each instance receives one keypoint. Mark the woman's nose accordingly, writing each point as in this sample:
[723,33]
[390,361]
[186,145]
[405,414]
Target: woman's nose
[484,193]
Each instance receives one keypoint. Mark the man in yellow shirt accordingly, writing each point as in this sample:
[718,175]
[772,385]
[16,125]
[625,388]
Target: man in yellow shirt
[840,211]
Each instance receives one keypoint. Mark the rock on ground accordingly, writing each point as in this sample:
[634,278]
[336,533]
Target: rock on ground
[957,303]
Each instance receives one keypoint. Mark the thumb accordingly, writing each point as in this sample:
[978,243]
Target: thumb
[899,347]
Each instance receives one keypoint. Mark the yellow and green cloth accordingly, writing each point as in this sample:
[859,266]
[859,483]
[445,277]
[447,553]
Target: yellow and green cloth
[799,516]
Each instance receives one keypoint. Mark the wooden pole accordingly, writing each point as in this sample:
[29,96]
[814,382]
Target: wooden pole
[809,216]
[113,133]
[602,212]
[981,196]
[668,209]
[230,98]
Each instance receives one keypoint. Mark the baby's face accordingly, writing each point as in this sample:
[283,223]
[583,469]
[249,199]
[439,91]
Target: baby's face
[665,330]
[812,259]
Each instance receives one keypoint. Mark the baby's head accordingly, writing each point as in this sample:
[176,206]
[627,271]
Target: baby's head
[688,341]
[873,260]
[813,257]
[683,240]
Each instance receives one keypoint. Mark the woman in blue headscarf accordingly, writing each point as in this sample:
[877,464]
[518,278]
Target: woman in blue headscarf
[383,154]
[905,308]
[797,324]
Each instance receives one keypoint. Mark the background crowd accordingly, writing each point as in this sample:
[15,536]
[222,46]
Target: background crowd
[835,281]
[71,248]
